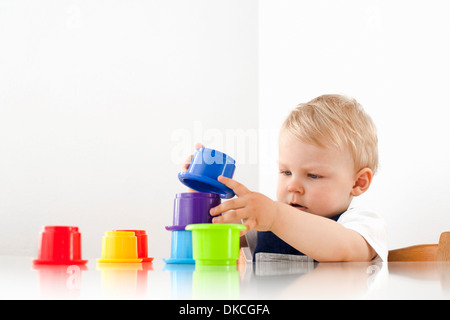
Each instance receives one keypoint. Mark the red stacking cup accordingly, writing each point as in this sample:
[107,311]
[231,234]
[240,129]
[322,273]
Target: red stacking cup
[142,244]
[60,245]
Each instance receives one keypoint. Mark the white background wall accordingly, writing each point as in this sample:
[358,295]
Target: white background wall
[100,102]
[393,57]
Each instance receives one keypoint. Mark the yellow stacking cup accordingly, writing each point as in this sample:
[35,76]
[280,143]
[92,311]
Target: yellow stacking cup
[119,246]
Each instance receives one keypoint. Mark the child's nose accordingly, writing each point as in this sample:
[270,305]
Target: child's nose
[295,186]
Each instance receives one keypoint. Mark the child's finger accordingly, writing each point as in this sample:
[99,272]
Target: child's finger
[233,216]
[188,160]
[249,224]
[238,188]
[198,145]
[187,163]
[243,232]
[234,204]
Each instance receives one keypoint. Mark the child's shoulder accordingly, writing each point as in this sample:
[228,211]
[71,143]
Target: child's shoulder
[359,213]
[368,224]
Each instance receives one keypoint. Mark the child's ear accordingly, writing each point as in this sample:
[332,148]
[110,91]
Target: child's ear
[362,182]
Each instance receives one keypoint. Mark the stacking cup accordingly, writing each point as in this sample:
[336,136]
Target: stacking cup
[181,251]
[60,245]
[119,246]
[215,244]
[206,166]
[142,244]
[193,207]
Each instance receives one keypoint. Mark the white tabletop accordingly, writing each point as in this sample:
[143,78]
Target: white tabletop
[20,279]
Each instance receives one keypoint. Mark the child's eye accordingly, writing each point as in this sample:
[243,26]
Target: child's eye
[285,172]
[314,176]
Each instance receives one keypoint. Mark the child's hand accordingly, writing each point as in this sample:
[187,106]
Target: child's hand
[188,160]
[255,209]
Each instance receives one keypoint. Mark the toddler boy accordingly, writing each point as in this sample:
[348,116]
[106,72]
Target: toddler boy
[327,156]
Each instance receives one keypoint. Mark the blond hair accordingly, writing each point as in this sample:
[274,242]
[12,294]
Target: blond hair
[336,121]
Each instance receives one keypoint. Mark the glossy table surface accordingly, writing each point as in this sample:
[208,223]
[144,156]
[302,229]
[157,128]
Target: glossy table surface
[20,279]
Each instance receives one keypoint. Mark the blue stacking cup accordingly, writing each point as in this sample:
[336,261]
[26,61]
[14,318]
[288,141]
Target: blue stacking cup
[206,166]
[181,251]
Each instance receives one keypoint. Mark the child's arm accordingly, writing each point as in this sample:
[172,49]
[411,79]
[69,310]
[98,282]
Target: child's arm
[320,238]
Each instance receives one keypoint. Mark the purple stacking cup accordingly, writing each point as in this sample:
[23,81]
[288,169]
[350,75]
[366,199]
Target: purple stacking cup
[193,207]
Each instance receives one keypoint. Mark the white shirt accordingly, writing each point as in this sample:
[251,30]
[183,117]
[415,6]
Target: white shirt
[370,226]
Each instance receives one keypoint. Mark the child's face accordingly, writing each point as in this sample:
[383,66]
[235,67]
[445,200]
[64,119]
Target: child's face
[314,179]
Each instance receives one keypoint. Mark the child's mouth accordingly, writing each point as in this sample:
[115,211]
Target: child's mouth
[298,206]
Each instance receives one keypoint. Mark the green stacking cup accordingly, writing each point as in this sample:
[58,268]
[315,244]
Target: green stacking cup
[215,244]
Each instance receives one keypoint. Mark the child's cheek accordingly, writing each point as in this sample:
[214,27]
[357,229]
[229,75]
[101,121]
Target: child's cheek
[281,193]
[322,202]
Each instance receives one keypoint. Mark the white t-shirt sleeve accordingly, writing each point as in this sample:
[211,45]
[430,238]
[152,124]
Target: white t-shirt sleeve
[370,226]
